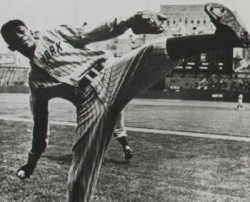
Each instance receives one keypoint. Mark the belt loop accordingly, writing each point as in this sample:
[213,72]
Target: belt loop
[92,73]
[88,77]
[95,71]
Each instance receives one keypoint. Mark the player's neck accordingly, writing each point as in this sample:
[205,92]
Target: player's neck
[29,53]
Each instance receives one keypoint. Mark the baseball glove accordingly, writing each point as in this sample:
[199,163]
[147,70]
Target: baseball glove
[147,22]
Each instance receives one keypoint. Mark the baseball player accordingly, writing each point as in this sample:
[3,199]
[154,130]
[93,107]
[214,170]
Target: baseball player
[64,65]
[120,133]
[240,102]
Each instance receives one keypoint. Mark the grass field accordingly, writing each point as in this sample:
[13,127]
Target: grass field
[164,167]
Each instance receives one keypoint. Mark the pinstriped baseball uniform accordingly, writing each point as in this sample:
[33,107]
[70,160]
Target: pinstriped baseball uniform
[98,89]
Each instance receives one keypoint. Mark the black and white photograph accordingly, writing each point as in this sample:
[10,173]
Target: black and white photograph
[124,101]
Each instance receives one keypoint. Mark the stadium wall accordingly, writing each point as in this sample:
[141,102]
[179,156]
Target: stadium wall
[14,89]
[192,94]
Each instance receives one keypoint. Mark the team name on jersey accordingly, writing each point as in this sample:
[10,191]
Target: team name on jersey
[51,51]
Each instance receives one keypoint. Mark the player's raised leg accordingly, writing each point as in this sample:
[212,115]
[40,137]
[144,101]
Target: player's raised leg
[230,32]
[149,64]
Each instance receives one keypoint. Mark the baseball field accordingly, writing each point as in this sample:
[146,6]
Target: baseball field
[188,151]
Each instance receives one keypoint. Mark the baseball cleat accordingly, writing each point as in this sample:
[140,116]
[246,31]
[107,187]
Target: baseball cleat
[128,153]
[223,18]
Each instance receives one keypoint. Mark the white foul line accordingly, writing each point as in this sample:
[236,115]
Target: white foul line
[191,134]
[144,130]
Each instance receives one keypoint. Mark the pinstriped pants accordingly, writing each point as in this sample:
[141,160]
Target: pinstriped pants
[99,106]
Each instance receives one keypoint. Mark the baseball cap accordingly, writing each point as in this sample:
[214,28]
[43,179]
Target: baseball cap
[7,32]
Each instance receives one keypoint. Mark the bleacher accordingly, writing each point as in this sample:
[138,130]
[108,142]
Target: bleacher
[181,83]
[210,83]
[13,76]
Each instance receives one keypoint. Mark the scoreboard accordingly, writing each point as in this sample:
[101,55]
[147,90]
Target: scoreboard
[213,62]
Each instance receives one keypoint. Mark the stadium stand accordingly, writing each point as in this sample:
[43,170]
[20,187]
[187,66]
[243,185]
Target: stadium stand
[10,76]
[14,79]
[211,83]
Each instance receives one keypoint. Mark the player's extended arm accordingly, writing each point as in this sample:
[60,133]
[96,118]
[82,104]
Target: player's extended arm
[143,22]
[39,109]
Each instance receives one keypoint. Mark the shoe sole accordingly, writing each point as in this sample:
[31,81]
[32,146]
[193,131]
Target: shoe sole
[225,17]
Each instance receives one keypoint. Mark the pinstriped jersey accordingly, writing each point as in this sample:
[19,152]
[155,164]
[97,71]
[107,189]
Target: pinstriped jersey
[56,54]
[64,54]
[40,79]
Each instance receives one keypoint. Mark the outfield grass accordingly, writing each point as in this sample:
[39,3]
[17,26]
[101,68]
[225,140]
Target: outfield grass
[164,168]
[191,116]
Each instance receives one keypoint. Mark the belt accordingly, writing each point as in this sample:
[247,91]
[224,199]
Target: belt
[93,72]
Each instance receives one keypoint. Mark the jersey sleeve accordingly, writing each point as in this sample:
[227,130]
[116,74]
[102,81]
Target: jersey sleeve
[39,109]
[87,34]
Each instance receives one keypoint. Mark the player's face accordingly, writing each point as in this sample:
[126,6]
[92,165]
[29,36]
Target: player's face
[23,40]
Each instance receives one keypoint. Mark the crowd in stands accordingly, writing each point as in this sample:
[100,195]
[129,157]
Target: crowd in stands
[19,76]
[213,82]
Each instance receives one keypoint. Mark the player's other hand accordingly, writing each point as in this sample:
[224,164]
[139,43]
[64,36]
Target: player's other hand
[147,22]
[26,171]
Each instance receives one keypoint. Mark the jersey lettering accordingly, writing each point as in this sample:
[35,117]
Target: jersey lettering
[53,50]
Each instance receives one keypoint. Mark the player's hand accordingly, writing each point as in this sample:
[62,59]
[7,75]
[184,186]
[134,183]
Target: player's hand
[147,22]
[26,171]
